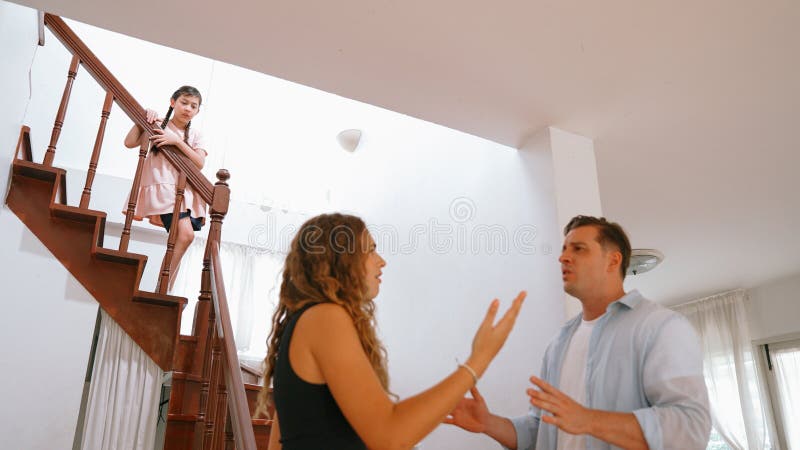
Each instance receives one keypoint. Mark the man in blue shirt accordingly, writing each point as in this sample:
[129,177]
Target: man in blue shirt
[626,373]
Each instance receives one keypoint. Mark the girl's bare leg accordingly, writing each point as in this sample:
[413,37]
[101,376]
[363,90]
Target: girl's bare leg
[182,242]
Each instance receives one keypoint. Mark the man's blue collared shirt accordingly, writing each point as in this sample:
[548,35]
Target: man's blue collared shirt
[644,359]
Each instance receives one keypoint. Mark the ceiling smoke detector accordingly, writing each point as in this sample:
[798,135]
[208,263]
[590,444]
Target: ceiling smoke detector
[644,260]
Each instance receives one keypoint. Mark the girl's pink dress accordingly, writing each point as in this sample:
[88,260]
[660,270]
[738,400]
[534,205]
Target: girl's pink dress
[159,180]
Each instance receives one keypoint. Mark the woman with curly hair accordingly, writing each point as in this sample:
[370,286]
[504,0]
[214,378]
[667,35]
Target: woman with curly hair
[326,363]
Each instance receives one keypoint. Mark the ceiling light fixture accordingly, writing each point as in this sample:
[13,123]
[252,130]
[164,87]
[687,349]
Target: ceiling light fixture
[644,260]
[349,139]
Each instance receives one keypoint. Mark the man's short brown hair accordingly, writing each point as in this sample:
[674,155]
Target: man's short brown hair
[608,233]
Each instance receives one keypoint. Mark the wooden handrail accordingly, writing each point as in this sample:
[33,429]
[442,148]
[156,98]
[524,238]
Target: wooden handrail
[240,414]
[199,183]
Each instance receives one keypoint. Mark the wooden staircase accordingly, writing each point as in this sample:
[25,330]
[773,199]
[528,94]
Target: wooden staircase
[210,407]
[75,237]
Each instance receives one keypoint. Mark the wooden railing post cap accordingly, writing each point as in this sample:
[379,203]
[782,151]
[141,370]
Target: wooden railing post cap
[223,176]
[222,193]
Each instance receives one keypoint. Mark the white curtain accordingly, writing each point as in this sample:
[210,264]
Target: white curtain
[786,366]
[252,282]
[122,407]
[730,371]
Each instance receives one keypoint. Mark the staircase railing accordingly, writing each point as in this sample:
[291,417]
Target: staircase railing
[214,357]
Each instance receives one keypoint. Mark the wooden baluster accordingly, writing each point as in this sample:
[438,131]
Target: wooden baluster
[212,413]
[200,322]
[163,281]
[62,111]
[133,198]
[98,144]
[203,329]
[230,443]
[222,407]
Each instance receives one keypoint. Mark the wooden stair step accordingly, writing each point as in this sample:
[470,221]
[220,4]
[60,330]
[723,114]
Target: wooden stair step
[186,376]
[36,170]
[77,214]
[185,393]
[154,298]
[184,353]
[182,417]
[261,430]
[44,173]
[111,255]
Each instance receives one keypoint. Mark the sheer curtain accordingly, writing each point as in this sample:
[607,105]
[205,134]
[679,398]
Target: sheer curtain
[786,366]
[122,406]
[730,371]
[252,282]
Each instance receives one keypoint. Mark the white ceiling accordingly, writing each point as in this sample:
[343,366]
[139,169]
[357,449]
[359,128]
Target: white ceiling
[691,104]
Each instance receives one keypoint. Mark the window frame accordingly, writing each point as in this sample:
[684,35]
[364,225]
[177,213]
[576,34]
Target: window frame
[766,373]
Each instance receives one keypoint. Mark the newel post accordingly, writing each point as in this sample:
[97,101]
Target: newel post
[206,361]
[219,204]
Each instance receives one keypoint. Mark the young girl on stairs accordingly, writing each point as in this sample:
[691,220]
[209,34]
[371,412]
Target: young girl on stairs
[156,198]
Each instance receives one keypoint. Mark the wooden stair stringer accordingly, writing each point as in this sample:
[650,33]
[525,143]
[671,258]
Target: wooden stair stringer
[75,237]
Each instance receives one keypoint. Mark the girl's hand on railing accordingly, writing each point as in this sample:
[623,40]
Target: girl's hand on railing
[152,116]
[161,139]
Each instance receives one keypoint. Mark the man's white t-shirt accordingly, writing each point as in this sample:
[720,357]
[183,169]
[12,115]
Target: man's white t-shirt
[573,379]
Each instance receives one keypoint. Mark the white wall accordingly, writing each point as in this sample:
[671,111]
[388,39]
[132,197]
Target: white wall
[47,331]
[50,317]
[774,308]
[18,39]
[418,185]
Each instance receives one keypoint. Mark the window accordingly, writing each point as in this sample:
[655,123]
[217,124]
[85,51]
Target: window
[783,380]
[724,383]
[715,442]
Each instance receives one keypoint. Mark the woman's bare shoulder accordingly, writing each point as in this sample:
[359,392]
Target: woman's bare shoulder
[327,314]
[326,326]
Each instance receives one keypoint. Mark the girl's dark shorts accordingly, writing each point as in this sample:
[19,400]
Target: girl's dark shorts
[197,223]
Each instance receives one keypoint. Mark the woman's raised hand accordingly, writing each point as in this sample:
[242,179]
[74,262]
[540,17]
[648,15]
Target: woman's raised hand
[489,338]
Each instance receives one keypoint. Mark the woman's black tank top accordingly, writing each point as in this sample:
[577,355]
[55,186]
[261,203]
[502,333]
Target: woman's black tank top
[309,417]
